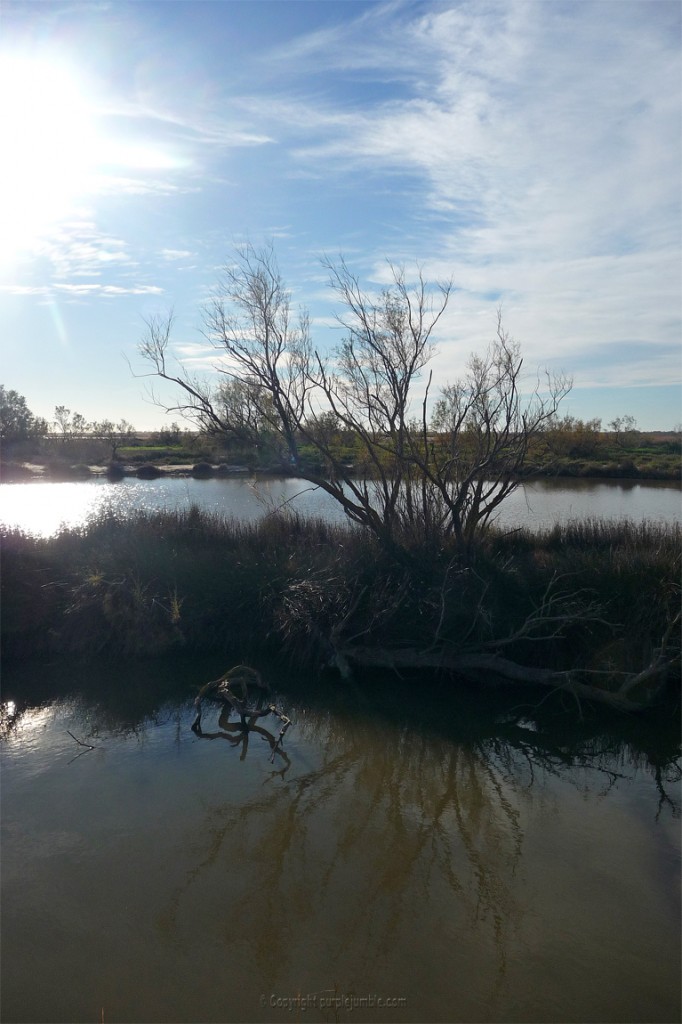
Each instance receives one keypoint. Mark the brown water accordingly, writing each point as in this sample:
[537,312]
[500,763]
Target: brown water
[411,855]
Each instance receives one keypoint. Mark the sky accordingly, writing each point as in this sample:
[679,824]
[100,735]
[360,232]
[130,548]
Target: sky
[529,151]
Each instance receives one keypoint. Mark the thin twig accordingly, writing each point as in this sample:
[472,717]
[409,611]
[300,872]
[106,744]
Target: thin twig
[278,508]
[80,743]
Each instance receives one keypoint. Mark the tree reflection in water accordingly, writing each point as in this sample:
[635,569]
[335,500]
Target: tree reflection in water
[396,839]
[398,831]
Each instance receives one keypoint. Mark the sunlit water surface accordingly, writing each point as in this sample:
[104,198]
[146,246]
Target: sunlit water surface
[441,862]
[41,508]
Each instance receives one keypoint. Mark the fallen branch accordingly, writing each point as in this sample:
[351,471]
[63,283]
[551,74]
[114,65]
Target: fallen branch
[286,722]
[473,664]
[660,663]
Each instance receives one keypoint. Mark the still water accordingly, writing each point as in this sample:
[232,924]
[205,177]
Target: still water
[403,858]
[41,508]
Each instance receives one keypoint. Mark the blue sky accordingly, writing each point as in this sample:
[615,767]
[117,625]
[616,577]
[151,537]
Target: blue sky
[530,151]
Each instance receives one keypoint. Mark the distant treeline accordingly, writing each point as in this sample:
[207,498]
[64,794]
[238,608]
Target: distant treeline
[576,452]
[66,446]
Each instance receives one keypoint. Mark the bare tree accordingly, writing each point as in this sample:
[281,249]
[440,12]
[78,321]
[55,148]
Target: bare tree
[625,430]
[62,420]
[114,434]
[411,484]
[79,424]
[486,426]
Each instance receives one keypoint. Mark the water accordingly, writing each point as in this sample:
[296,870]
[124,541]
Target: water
[42,507]
[410,855]
[442,860]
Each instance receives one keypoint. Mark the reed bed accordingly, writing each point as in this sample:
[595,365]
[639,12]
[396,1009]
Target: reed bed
[155,582]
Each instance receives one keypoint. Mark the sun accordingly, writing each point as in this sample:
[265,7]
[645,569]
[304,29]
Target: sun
[64,143]
[49,142]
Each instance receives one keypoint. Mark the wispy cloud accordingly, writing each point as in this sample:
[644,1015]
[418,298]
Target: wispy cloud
[78,248]
[548,139]
[141,185]
[11,288]
[77,261]
[108,289]
[199,358]
[175,254]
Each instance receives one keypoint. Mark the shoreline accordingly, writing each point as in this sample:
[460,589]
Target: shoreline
[25,472]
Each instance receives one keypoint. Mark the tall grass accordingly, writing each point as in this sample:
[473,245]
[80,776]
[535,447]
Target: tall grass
[155,582]
[145,583]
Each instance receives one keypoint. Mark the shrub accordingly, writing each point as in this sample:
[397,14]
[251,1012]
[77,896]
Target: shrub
[60,469]
[148,471]
[10,471]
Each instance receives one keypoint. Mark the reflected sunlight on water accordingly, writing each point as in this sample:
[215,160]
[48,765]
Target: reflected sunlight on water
[41,508]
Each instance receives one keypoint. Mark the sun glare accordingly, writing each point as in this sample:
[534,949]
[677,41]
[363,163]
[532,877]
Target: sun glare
[49,144]
[56,155]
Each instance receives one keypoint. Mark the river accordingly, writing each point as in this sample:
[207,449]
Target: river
[406,856]
[41,508]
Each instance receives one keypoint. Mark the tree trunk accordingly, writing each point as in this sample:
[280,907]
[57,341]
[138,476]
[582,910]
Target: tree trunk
[475,664]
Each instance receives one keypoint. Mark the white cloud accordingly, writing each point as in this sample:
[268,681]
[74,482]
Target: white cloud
[116,185]
[24,289]
[107,289]
[140,289]
[175,254]
[548,138]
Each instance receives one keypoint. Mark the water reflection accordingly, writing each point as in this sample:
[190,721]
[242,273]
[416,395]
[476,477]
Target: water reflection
[420,826]
[419,830]
[238,735]
[468,856]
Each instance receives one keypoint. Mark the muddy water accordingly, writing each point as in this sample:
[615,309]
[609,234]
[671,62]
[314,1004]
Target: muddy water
[402,858]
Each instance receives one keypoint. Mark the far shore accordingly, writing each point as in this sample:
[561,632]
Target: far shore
[17,472]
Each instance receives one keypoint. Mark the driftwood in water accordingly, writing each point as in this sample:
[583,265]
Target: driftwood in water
[234,688]
[249,705]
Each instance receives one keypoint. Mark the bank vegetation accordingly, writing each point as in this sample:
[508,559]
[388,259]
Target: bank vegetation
[590,608]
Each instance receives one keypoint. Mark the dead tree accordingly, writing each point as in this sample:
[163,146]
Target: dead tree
[412,482]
